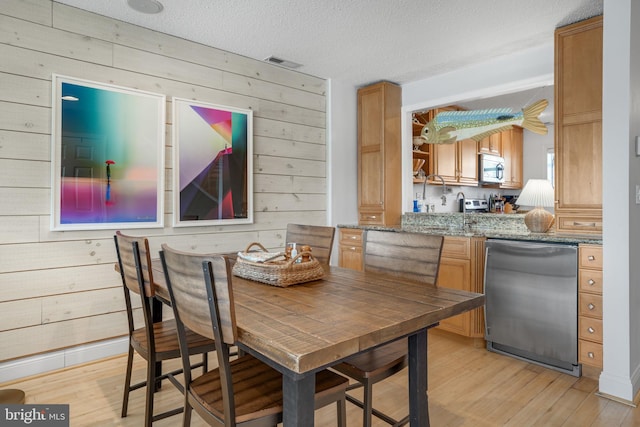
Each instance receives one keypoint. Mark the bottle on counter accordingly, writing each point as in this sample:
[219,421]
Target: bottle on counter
[306,253]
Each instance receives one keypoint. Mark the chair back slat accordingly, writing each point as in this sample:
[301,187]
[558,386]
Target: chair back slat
[194,282]
[127,260]
[218,275]
[187,274]
[413,256]
[320,238]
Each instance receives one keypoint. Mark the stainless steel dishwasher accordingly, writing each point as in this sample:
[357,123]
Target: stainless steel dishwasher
[531,310]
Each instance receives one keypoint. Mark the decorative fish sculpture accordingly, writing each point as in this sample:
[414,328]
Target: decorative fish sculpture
[448,127]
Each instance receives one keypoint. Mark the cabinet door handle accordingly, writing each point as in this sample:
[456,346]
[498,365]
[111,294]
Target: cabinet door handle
[591,306]
[591,330]
[584,224]
[352,237]
[591,282]
[352,248]
[591,258]
[591,355]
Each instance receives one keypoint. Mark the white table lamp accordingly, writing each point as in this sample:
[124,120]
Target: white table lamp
[539,194]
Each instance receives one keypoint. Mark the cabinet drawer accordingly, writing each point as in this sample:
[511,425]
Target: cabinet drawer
[350,257]
[371,218]
[590,281]
[591,257]
[351,237]
[590,305]
[590,329]
[456,247]
[579,224]
[590,353]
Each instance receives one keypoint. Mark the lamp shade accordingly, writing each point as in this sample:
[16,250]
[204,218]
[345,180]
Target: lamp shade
[537,192]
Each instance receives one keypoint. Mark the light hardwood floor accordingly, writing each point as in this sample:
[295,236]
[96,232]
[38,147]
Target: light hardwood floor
[468,386]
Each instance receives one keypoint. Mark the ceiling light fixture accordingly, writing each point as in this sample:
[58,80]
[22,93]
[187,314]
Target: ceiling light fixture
[283,62]
[146,6]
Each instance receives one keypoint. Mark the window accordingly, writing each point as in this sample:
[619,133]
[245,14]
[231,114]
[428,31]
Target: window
[550,165]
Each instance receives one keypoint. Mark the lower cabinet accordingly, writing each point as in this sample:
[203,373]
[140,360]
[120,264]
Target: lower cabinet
[350,248]
[462,267]
[590,305]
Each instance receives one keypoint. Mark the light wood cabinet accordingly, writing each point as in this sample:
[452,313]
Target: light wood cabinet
[512,153]
[590,305]
[491,145]
[350,248]
[456,163]
[379,154]
[462,267]
[578,127]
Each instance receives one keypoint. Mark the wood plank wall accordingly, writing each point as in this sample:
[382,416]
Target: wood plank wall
[59,289]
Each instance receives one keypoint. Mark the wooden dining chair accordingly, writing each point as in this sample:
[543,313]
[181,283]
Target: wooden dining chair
[244,391]
[319,237]
[413,256]
[157,341]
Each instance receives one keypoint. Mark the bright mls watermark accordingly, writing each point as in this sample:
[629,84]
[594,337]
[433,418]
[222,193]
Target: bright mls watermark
[34,415]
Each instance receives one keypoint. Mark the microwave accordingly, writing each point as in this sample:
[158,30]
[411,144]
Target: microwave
[491,169]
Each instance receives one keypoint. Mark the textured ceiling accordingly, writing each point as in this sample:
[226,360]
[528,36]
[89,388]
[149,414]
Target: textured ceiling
[361,41]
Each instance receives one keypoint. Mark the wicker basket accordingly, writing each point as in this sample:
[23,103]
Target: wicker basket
[278,272]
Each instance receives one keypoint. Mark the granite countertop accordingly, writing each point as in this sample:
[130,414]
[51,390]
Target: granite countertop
[490,226]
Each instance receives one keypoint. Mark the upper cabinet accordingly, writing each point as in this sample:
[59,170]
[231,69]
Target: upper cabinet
[456,163]
[379,154]
[491,145]
[511,142]
[578,127]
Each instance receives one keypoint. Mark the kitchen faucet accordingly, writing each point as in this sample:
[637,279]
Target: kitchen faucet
[464,210]
[444,188]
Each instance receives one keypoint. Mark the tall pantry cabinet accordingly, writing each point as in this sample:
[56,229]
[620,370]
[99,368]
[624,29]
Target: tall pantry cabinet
[578,127]
[379,154]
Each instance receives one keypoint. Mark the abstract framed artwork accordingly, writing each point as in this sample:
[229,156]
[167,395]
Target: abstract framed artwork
[212,164]
[107,165]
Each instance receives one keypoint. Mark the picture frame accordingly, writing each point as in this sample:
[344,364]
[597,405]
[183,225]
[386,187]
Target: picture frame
[107,166]
[212,164]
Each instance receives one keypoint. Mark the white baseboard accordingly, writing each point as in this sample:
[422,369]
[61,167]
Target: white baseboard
[41,363]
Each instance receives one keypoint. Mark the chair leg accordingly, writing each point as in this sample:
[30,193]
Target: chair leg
[127,383]
[367,399]
[205,363]
[151,381]
[186,419]
[342,412]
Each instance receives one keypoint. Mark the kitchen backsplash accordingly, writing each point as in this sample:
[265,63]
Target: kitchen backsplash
[434,195]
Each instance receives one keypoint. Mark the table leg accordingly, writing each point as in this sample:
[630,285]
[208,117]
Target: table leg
[418,399]
[298,395]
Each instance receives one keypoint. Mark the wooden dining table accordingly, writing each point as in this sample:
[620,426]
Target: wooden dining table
[304,328]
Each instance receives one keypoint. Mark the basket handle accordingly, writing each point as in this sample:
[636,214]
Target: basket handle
[255,244]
